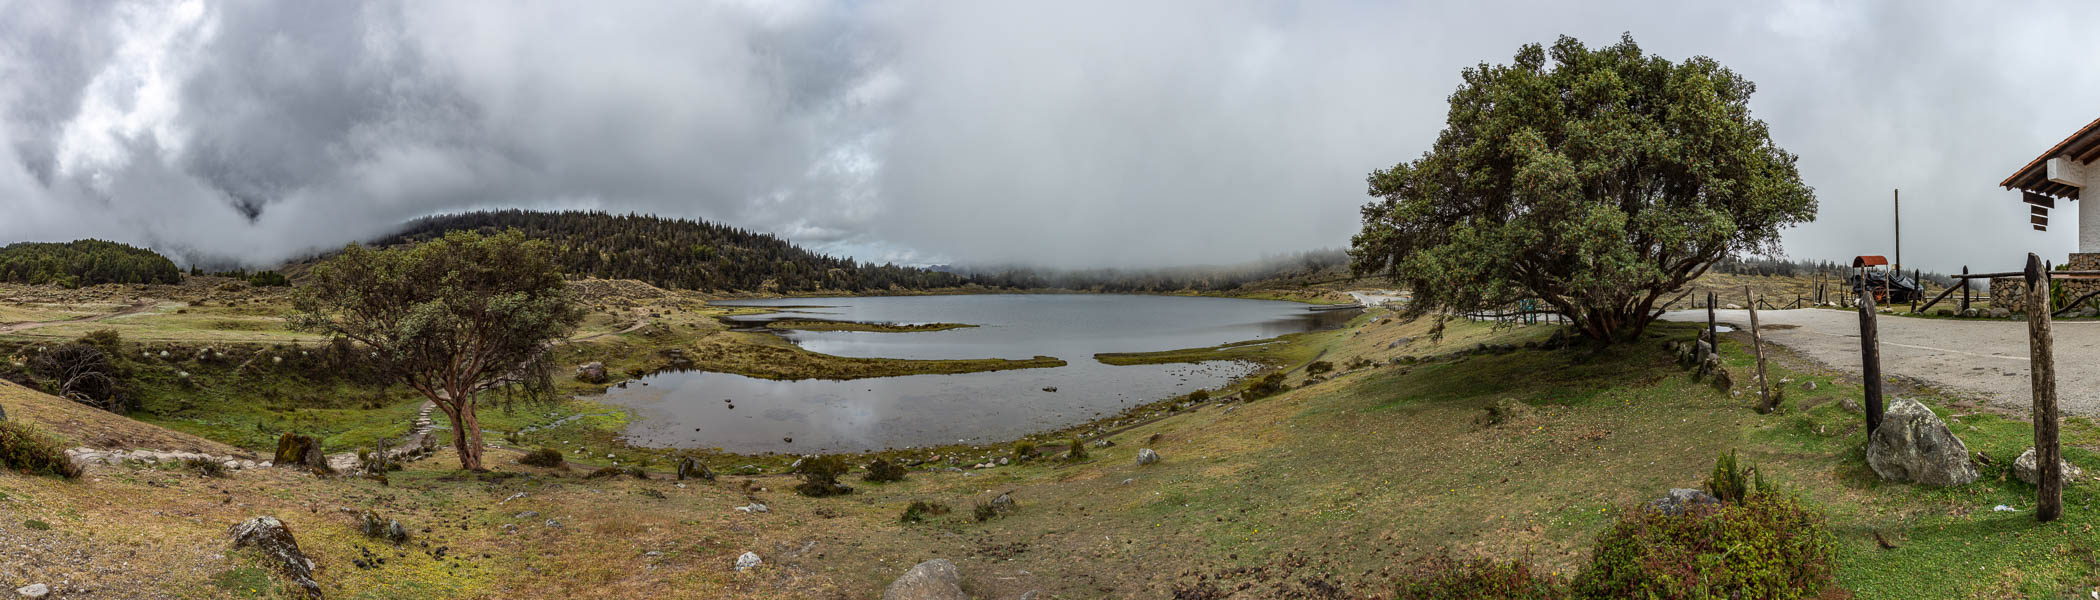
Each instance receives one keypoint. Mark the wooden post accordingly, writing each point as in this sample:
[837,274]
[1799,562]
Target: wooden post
[1757,346]
[1713,334]
[2042,364]
[1965,290]
[1917,279]
[1870,361]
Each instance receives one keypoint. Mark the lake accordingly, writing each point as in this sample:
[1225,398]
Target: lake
[699,409]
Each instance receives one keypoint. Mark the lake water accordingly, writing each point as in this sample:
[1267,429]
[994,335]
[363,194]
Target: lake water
[699,409]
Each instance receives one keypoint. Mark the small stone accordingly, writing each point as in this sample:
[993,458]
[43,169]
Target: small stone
[34,590]
[1146,456]
[753,508]
[553,524]
[749,560]
[2028,469]
[1808,386]
[530,514]
[1680,500]
[1128,482]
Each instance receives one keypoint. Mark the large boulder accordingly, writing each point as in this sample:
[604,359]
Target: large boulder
[294,450]
[2028,469]
[1912,444]
[269,536]
[935,579]
[591,372]
[1146,456]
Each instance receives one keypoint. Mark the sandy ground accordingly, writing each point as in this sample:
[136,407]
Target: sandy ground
[1983,357]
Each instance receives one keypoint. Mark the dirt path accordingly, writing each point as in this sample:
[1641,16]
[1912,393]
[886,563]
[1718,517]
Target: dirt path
[1987,358]
[135,308]
[638,325]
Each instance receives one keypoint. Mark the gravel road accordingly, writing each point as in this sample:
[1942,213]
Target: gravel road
[1987,358]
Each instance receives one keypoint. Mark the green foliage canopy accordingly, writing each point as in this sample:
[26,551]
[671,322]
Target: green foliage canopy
[451,318]
[84,262]
[1593,180]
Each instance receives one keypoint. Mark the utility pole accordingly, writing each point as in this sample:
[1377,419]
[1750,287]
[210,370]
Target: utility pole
[1899,231]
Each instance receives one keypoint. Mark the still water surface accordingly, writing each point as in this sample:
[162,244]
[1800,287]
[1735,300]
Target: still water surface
[699,409]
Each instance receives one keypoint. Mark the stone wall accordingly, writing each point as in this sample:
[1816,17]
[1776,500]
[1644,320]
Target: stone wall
[2010,293]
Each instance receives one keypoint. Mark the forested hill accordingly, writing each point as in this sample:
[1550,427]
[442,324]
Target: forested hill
[84,262]
[680,253]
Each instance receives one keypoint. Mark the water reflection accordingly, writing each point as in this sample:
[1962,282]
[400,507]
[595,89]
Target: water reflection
[744,414]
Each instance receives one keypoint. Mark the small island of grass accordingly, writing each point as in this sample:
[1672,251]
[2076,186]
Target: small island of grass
[826,325]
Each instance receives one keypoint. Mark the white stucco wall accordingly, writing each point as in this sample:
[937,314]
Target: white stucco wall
[2088,222]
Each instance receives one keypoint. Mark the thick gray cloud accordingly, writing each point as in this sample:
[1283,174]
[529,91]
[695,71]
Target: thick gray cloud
[1067,134]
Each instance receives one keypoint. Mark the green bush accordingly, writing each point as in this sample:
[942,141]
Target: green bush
[1267,386]
[1075,451]
[883,470]
[920,510]
[983,511]
[1732,482]
[1319,366]
[820,476]
[1024,451]
[543,457]
[1441,577]
[28,449]
[1767,546]
[1199,396]
[205,467]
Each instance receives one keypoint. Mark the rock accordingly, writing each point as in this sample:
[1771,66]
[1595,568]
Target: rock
[692,469]
[591,372]
[1051,389]
[1808,386]
[1104,443]
[274,540]
[1732,306]
[1971,313]
[1004,503]
[753,508]
[294,450]
[935,579]
[1128,482]
[1722,380]
[1028,595]
[1999,313]
[1912,444]
[370,524]
[1850,405]
[1146,456]
[553,524]
[2028,469]
[1680,500]
[530,514]
[3,416]
[34,590]
[749,560]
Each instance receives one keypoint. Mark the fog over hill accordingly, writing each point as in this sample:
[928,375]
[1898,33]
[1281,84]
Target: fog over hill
[1087,135]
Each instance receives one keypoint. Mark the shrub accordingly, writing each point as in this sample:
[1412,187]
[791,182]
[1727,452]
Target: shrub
[1267,386]
[1440,577]
[543,457]
[1075,450]
[28,449]
[106,339]
[82,373]
[1731,482]
[820,476]
[920,510]
[205,467]
[1199,396]
[1023,451]
[1767,546]
[983,511]
[883,470]
[1319,366]
[605,472]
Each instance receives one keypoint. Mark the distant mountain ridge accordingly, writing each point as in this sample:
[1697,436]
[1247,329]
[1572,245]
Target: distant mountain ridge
[680,253]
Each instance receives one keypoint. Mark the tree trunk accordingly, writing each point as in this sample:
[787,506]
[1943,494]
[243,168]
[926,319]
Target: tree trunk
[470,443]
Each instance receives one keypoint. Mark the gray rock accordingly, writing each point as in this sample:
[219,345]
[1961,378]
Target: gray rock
[749,560]
[1029,595]
[1970,312]
[553,524]
[1004,503]
[935,579]
[591,372]
[2028,469]
[1680,500]
[2000,313]
[34,590]
[1146,456]
[530,514]
[1808,386]
[1912,444]
[273,539]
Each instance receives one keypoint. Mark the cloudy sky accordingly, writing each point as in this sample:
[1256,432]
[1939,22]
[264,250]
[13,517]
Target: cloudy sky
[1058,133]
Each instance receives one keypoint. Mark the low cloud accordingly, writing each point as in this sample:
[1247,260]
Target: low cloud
[1068,134]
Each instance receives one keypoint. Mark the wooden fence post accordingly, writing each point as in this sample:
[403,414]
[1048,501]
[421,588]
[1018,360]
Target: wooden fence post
[1757,346]
[1713,334]
[1965,289]
[1870,361]
[1917,279]
[2048,456]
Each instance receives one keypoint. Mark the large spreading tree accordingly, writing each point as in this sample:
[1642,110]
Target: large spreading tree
[1593,180]
[452,318]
